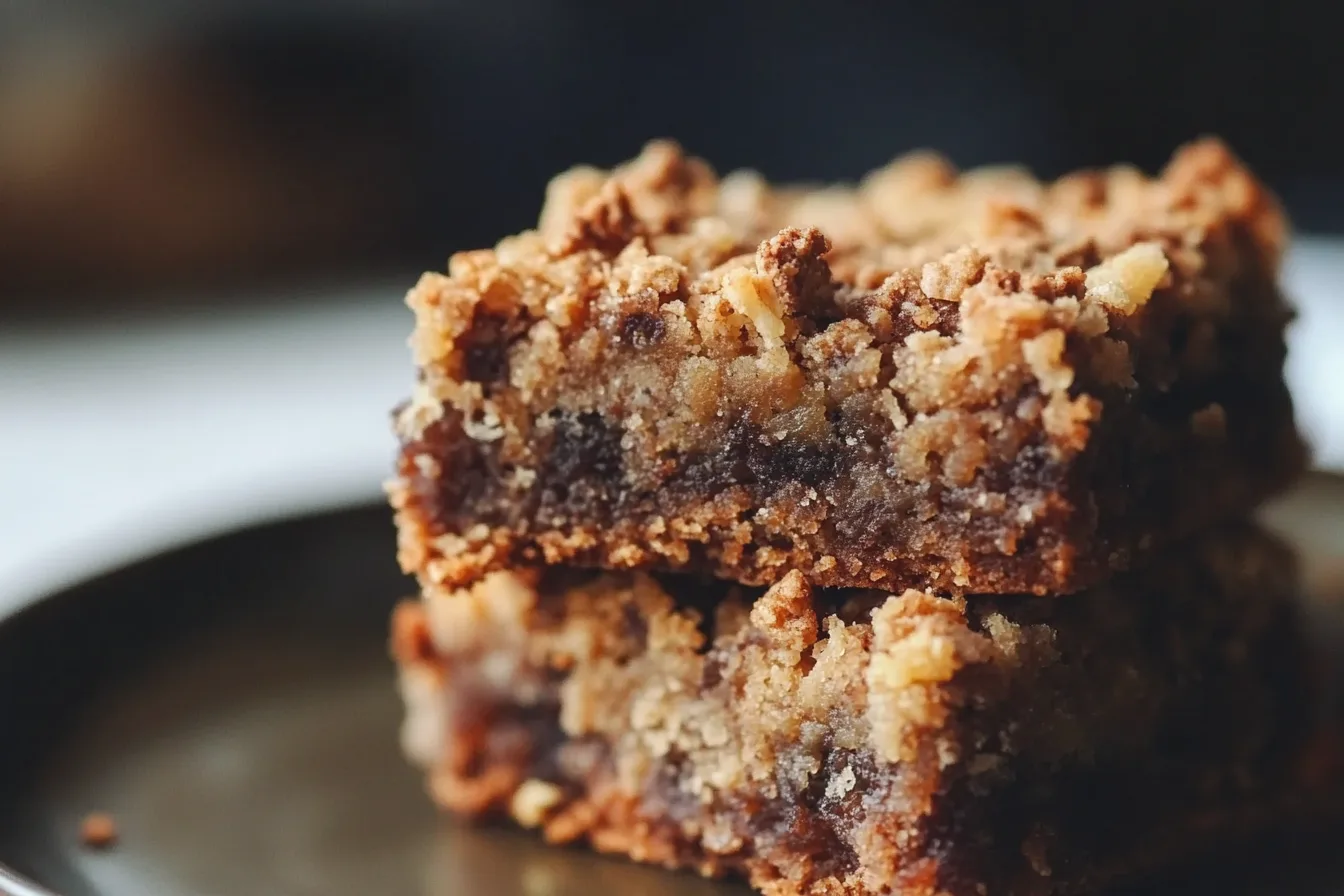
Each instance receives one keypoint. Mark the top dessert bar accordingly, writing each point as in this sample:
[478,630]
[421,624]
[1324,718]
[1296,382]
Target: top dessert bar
[969,382]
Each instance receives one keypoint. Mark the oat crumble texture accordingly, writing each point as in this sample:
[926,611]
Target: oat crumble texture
[972,383]
[832,741]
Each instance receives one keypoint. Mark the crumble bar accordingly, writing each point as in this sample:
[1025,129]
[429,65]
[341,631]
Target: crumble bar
[834,741]
[969,383]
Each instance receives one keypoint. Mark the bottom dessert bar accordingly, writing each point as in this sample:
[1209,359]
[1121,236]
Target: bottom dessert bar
[847,742]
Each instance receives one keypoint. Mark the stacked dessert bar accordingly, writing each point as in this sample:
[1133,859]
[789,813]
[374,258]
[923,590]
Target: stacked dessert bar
[889,539]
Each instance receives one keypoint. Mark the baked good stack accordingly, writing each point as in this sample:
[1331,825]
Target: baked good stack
[881,539]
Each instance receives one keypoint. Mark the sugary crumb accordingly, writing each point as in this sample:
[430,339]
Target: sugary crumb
[533,800]
[842,783]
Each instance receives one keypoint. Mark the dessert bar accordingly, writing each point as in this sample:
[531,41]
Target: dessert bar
[826,741]
[971,383]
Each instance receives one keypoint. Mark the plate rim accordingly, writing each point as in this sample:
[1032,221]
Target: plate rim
[62,601]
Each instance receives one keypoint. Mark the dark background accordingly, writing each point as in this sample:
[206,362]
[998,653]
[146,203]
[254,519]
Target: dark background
[160,152]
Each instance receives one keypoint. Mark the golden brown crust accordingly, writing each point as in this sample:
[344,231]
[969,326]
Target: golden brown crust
[927,380]
[834,742]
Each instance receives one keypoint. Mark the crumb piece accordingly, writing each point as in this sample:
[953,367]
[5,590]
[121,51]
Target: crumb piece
[1126,282]
[842,783]
[98,830]
[755,299]
[947,278]
[533,801]
[605,223]
[795,262]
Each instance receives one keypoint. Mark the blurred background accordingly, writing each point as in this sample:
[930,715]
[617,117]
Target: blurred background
[153,150]
[208,211]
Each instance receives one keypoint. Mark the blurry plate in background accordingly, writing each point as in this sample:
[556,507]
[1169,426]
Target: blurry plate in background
[152,147]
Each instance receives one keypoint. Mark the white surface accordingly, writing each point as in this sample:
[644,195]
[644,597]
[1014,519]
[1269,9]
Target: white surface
[118,442]
[1314,277]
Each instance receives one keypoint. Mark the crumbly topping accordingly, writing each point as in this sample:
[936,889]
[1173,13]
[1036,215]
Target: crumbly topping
[663,227]
[962,310]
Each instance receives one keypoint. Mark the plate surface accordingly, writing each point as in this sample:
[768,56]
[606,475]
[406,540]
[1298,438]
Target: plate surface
[232,705]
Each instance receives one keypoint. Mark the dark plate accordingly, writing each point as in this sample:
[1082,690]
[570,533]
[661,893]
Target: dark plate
[232,705]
